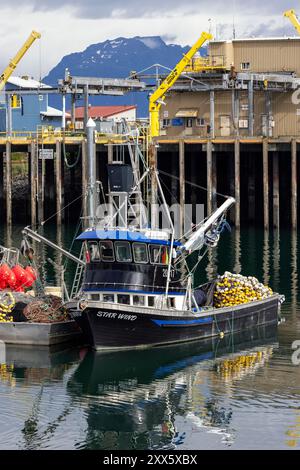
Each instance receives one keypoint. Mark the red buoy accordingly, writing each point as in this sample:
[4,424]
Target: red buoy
[11,281]
[20,274]
[4,272]
[27,280]
[32,272]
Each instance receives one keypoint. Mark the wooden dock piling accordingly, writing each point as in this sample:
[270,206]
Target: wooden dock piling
[294,184]
[182,187]
[237,182]
[266,183]
[58,183]
[33,182]
[276,201]
[209,169]
[214,179]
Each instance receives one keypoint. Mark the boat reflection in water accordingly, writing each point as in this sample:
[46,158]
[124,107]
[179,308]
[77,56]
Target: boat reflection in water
[154,399]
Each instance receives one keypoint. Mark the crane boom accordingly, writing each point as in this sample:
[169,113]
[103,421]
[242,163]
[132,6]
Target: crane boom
[157,98]
[291,14]
[20,54]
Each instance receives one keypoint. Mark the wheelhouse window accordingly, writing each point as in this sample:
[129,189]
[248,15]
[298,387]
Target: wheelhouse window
[123,252]
[108,298]
[138,300]
[140,254]
[94,251]
[151,301]
[95,296]
[124,299]
[159,254]
[107,251]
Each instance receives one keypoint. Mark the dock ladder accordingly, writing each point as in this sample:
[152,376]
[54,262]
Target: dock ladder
[78,275]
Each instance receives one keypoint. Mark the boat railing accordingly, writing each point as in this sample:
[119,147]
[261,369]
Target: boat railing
[9,256]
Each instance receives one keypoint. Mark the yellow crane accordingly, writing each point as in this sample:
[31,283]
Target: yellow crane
[20,54]
[158,97]
[291,14]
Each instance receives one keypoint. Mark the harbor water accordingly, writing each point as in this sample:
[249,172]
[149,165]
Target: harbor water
[237,392]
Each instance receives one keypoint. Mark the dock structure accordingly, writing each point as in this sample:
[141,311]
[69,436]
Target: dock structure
[261,173]
[252,171]
[229,127]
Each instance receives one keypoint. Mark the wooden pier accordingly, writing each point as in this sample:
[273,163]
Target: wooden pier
[261,173]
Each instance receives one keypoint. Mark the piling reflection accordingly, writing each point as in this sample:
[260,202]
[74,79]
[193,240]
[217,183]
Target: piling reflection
[294,270]
[266,258]
[237,252]
[276,260]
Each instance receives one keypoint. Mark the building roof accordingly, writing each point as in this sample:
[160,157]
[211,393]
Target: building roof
[26,83]
[98,112]
[279,38]
[53,112]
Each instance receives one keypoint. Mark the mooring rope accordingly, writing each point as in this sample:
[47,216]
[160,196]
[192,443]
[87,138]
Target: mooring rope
[69,165]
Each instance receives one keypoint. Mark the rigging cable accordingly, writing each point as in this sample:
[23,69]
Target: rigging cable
[226,196]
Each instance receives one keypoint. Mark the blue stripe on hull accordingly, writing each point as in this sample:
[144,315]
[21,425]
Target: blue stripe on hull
[182,322]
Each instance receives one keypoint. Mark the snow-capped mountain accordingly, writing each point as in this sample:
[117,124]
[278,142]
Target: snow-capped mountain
[117,58]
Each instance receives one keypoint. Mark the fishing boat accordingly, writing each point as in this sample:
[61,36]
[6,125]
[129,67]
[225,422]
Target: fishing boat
[133,286]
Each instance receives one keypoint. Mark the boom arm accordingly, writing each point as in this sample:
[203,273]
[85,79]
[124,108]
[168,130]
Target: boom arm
[157,98]
[291,14]
[20,54]
[197,239]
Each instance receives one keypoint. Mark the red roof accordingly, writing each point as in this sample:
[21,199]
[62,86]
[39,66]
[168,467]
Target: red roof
[97,112]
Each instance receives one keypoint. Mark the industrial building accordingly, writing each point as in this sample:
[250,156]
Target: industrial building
[28,109]
[246,90]
[231,123]
[105,117]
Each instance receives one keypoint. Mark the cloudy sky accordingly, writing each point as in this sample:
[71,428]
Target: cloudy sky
[71,25]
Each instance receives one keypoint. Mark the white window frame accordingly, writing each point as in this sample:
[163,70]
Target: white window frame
[108,293]
[147,254]
[166,122]
[200,122]
[113,251]
[117,243]
[245,65]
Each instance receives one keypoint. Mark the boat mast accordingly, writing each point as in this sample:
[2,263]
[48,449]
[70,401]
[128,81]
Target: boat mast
[91,154]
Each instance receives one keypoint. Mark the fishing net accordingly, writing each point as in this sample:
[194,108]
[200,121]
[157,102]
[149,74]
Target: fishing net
[47,310]
[235,289]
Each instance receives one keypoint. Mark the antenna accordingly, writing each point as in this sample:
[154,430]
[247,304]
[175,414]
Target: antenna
[233,20]
[209,28]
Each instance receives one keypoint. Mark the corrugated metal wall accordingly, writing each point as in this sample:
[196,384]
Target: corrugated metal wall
[278,55]
[284,112]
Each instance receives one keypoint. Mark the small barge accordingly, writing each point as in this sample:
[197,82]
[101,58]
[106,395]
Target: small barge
[30,318]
